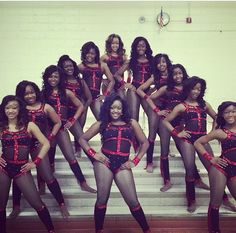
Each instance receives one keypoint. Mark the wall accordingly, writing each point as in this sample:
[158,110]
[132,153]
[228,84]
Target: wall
[34,34]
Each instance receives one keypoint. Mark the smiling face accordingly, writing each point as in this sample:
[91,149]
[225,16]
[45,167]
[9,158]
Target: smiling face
[12,110]
[162,65]
[115,45]
[178,75]
[195,92]
[54,79]
[141,48]
[116,110]
[229,115]
[90,56]
[68,67]
[30,95]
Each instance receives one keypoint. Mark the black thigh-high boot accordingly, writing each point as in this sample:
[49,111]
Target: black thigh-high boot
[164,166]
[150,152]
[46,218]
[2,220]
[139,216]
[99,216]
[190,191]
[77,171]
[213,219]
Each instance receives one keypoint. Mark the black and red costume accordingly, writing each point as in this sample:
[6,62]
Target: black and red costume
[15,151]
[194,118]
[114,63]
[93,78]
[141,74]
[44,173]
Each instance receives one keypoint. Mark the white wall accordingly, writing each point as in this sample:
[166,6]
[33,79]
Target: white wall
[34,34]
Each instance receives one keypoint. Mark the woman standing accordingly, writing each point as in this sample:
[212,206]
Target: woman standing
[80,89]
[222,170]
[117,131]
[56,95]
[39,113]
[92,71]
[16,134]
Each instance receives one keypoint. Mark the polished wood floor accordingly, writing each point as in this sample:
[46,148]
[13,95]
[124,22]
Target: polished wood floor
[121,225]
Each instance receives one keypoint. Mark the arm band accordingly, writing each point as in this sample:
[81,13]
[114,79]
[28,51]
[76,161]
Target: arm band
[122,82]
[156,110]
[72,120]
[207,156]
[37,161]
[174,132]
[146,96]
[91,152]
[107,93]
[136,160]
[51,136]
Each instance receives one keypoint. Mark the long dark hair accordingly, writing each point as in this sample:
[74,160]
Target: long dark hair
[105,116]
[22,118]
[85,49]
[121,50]
[47,89]
[220,118]
[134,54]
[156,60]
[20,90]
[170,81]
[189,84]
[61,61]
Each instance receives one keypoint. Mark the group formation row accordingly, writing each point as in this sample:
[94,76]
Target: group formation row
[173,102]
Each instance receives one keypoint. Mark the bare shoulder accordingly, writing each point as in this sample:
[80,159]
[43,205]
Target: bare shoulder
[104,58]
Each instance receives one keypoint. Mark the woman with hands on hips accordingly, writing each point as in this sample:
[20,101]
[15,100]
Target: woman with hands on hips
[117,131]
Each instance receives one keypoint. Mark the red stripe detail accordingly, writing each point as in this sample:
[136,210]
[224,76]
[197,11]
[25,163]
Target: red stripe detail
[136,208]
[114,152]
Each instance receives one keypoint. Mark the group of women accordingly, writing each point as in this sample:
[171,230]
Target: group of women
[34,121]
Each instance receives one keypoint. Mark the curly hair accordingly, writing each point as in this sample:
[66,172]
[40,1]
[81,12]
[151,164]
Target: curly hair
[170,82]
[105,116]
[134,54]
[189,84]
[220,115]
[85,50]
[121,50]
[60,64]
[47,89]
[156,61]
[21,87]
[22,118]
